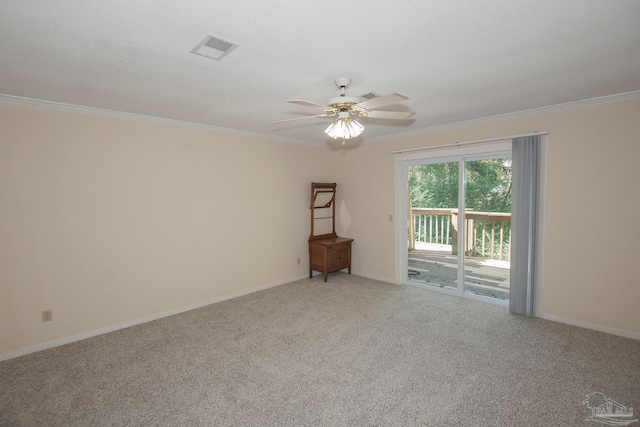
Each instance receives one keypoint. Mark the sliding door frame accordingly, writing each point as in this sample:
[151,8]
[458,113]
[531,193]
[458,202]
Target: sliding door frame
[456,154]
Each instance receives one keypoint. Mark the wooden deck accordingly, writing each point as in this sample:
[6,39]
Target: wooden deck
[437,267]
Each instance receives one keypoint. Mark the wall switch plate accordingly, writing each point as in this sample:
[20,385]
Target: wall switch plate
[298,261]
[47,315]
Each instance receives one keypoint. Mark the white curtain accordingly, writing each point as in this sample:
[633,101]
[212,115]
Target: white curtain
[524,220]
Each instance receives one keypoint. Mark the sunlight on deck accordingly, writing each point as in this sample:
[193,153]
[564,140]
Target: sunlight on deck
[434,265]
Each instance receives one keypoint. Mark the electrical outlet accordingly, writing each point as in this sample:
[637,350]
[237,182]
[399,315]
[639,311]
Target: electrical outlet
[298,261]
[47,315]
[390,218]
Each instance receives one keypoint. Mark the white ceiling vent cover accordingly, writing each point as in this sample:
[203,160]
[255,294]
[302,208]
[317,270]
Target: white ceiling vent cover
[370,95]
[214,47]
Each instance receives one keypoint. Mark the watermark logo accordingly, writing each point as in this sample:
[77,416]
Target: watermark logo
[607,411]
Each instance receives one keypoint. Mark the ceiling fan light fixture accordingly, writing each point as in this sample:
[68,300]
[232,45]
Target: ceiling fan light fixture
[342,108]
[345,128]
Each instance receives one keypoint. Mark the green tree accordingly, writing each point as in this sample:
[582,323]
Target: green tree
[434,185]
[488,189]
[488,185]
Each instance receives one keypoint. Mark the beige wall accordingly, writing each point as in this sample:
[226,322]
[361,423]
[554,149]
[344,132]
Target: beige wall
[105,221]
[592,175]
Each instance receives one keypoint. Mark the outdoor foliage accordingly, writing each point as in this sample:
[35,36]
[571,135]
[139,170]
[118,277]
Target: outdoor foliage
[488,185]
[488,189]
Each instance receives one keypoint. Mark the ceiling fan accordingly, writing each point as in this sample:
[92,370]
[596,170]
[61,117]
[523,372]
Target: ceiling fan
[343,107]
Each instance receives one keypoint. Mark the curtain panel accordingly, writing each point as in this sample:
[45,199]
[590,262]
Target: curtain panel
[524,221]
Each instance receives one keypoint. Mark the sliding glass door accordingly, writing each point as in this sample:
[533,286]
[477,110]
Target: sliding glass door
[487,227]
[432,258]
[458,212]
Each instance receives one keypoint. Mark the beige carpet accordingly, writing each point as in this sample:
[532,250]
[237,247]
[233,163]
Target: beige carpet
[350,352]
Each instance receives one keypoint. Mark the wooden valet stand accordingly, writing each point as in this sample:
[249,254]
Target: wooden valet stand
[327,251]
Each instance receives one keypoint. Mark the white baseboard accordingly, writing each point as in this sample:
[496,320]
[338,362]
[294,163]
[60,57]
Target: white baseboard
[378,278]
[600,328]
[84,335]
[357,273]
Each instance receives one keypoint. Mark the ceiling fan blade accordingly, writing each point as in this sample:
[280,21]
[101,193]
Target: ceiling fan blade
[383,101]
[308,103]
[392,115]
[301,118]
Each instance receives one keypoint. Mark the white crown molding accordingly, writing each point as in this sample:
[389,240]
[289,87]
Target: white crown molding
[79,109]
[609,99]
[71,108]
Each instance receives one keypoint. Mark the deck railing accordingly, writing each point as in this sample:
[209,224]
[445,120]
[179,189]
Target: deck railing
[489,234]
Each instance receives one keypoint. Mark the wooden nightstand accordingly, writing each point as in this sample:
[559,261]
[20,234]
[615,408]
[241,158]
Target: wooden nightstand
[329,255]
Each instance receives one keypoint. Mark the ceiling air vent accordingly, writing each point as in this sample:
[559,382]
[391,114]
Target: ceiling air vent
[370,95]
[214,47]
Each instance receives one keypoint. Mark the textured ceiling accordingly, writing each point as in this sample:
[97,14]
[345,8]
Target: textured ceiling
[458,60]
